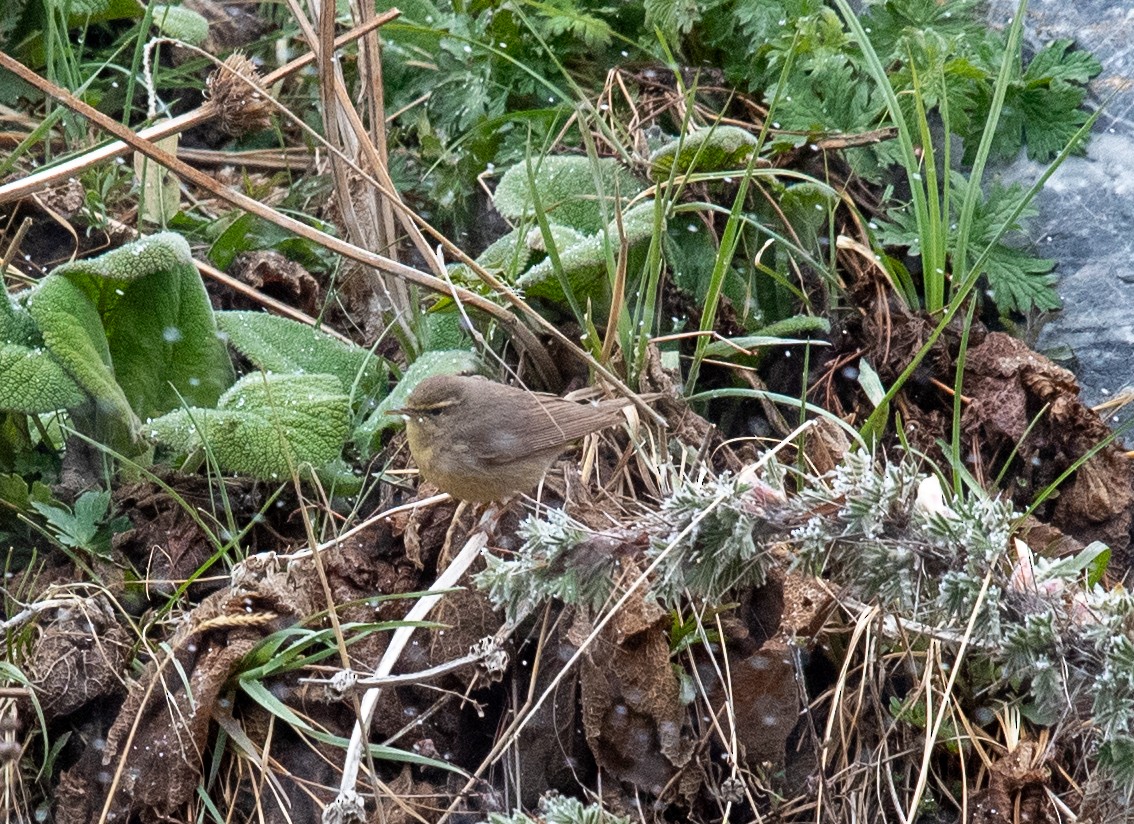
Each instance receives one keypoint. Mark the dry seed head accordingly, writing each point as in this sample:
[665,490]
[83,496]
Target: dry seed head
[235,92]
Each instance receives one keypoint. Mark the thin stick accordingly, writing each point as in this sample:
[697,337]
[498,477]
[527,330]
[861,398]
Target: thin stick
[348,796]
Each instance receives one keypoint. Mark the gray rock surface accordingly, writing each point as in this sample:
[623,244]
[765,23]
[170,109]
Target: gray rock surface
[1086,219]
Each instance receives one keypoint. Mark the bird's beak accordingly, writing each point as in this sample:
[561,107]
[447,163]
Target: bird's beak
[405,413]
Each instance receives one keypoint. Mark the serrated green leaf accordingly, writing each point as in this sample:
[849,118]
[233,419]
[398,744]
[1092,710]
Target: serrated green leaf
[570,18]
[1060,60]
[893,23]
[673,17]
[1017,280]
[77,528]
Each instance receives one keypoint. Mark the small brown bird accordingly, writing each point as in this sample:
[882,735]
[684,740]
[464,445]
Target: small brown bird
[482,441]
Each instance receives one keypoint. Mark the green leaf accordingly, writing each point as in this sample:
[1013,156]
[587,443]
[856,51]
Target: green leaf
[80,528]
[135,329]
[673,17]
[772,335]
[249,233]
[32,382]
[708,149]
[160,189]
[266,699]
[568,17]
[181,23]
[265,426]
[73,333]
[584,258]
[277,344]
[1018,281]
[893,23]
[573,191]
[1043,108]
[1053,62]
[16,325]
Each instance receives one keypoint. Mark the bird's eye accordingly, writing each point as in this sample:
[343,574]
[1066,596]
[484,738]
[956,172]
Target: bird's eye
[433,411]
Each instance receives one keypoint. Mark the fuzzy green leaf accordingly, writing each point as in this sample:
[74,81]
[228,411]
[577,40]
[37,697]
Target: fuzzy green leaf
[265,426]
[31,381]
[181,23]
[159,339]
[16,325]
[276,344]
[584,261]
[73,333]
[711,149]
[566,186]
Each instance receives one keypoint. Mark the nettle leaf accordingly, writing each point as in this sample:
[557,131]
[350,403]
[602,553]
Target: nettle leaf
[890,23]
[276,344]
[81,526]
[1018,282]
[567,17]
[673,17]
[1055,62]
[134,328]
[265,426]
[942,76]
[448,362]
[573,191]
[32,382]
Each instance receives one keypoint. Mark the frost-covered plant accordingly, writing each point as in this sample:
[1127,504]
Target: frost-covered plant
[552,563]
[1043,627]
[114,339]
[716,539]
[578,198]
[558,809]
[884,535]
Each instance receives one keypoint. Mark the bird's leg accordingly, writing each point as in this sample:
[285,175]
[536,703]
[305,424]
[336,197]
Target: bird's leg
[447,546]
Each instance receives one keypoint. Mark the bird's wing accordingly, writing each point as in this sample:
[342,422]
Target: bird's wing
[556,423]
